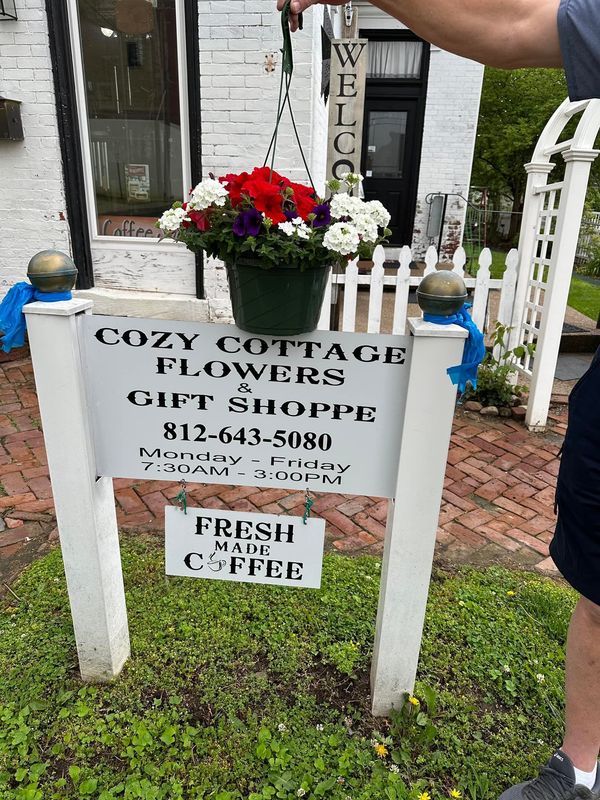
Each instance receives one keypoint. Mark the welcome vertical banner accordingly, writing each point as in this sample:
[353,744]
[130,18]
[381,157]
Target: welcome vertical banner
[346,105]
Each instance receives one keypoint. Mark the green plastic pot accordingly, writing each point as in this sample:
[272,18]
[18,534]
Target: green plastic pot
[281,301]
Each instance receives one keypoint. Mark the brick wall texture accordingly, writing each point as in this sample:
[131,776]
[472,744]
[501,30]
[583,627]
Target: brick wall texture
[239,98]
[453,95]
[32,201]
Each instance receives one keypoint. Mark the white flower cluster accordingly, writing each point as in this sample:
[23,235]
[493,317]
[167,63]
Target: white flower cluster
[171,220]
[342,238]
[344,205]
[378,212]
[361,220]
[207,193]
[366,227]
[298,226]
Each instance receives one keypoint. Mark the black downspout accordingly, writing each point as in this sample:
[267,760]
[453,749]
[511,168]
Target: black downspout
[70,141]
[193,72]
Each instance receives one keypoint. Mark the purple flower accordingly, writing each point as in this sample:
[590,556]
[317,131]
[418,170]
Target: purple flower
[290,215]
[239,224]
[322,215]
[248,223]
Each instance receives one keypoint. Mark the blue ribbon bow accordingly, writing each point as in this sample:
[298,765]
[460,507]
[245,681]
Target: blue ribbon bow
[12,319]
[474,351]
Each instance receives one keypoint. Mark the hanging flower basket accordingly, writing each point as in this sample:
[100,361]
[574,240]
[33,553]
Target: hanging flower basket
[283,301]
[278,241]
[278,238]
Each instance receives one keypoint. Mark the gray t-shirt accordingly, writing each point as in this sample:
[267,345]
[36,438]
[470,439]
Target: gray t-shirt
[579,33]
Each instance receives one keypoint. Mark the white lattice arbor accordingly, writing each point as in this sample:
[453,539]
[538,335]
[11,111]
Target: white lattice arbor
[548,243]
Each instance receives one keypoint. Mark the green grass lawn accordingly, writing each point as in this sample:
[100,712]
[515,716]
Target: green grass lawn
[583,297]
[237,691]
[498,262]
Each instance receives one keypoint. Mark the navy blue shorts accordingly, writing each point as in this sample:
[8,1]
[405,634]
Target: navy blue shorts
[576,544]
[579,34]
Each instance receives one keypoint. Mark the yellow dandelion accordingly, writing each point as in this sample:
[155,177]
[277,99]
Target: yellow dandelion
[381,750]
[414,702]
[424,796]
[510,593]
[454,793]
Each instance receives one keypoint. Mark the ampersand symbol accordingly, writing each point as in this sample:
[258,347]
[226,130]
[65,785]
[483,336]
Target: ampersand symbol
[244,388]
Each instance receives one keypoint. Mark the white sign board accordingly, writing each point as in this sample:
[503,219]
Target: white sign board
[214,404]
[247,548]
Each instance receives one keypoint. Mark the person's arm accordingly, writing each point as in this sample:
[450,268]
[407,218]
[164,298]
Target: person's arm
[499,33]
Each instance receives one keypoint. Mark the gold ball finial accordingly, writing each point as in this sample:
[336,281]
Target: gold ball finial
[52,271]
[442,293]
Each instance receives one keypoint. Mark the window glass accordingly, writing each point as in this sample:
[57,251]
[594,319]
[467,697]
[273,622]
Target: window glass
[386,142]
[129,50]
[395,59]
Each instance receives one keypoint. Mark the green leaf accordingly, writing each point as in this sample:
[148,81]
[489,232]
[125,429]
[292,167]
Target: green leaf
[38,705]
[88,786]
[31,793]
[429,696]
[325,786]
[74,774]
[168,735]
[264,735]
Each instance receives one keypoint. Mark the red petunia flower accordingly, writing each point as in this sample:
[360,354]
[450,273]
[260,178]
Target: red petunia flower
[235,186]
[197,218]
[265,174]
[304,198]
[200,219]
[267,197]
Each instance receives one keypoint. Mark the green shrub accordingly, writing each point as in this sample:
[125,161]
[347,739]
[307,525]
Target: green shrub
[494,385]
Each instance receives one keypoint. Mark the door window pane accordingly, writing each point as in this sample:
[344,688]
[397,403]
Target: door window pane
[386,143]
[395,59]
[129,50]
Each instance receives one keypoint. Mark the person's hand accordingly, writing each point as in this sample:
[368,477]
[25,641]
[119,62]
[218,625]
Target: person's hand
[298,6]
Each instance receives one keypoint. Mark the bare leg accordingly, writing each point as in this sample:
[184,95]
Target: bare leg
[582,737]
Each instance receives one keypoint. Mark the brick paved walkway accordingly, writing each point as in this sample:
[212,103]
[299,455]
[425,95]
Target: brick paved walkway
[497,506]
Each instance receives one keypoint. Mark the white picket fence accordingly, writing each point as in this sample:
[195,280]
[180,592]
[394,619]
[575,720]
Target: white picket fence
[402,281]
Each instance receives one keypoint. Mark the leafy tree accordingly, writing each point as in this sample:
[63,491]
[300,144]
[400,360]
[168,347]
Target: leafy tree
[515,106]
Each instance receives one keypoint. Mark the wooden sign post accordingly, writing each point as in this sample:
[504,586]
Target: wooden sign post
[346,106]
[328,411]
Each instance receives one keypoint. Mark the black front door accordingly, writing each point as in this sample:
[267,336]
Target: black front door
[392,138]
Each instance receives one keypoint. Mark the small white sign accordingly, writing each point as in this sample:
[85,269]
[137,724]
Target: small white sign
[246,548]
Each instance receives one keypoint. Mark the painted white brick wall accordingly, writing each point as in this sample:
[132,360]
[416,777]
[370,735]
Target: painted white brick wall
[451,113]
[238,110]
[32,201]
[239,97]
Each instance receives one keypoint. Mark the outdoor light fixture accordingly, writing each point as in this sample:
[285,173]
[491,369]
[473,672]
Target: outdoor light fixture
[7,10]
